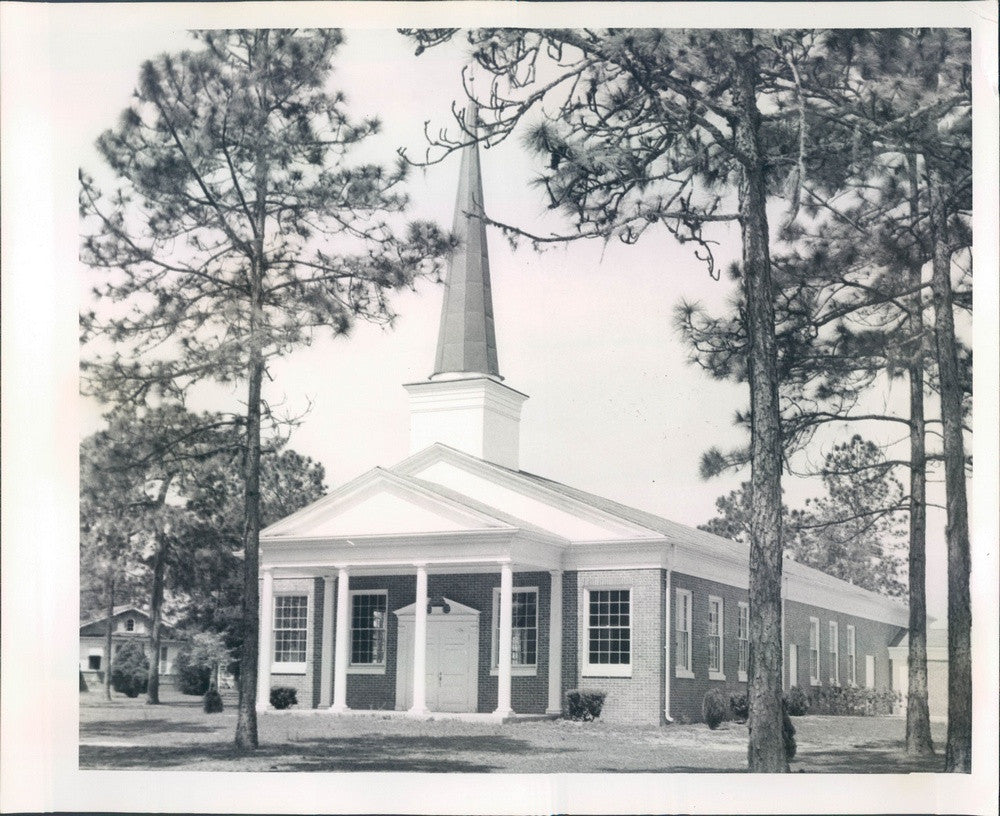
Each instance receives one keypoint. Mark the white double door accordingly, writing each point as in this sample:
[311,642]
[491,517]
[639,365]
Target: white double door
[452,660]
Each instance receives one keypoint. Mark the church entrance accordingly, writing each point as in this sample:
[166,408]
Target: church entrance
[452,664]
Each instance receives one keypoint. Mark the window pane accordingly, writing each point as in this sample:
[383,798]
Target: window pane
[290,628]
[368,617]
[609,630]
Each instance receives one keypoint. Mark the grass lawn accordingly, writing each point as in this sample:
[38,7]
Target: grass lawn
[177,735]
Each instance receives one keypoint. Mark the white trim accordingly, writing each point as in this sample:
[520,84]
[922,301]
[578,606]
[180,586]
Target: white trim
[376,667]
[688,669]
[870,675]
[289,666]
[588,669]
[852,657]
[668,637]
[516,669]
[720,673]
[814,679]
[741,607]
[833,650]
[793,665]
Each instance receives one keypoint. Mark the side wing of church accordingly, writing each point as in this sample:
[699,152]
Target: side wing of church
[456,582]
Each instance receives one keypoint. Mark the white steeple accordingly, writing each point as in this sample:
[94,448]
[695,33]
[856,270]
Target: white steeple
[464,403]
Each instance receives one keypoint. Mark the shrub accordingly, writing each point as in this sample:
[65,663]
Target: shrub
[739,706]
[196,662]
[856,702]
[796,702]
[788,733]
[584,704]
[130,669]
[83,682]
[283,697]
[212,701]
[715,708]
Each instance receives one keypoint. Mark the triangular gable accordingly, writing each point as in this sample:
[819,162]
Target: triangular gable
[381,503]
[454,608]
[511,493]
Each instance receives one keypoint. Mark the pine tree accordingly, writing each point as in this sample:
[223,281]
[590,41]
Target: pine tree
[234,233]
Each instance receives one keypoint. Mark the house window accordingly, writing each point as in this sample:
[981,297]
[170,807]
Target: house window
[368,619]
[682,633]
[793,665]
[94,662]
[715,630]
[870,671]
[852,658]
[130,624]
[609,633]
[814,651]
[743,636]
[524,633]
[290,631]
[163,658]
[834,654]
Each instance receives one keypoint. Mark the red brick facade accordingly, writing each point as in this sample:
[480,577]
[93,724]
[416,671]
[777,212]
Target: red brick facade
[638,697]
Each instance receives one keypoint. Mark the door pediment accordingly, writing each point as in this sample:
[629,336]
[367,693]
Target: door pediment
[456,610]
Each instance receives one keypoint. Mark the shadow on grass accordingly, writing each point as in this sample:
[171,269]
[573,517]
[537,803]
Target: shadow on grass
[372,753]
[131,728]
[877,757]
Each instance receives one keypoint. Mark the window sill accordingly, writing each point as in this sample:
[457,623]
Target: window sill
[684,673]
[716,676]
[288,668]
[814,682]
[362,669]
[741,677]
[607,671]
[516,671]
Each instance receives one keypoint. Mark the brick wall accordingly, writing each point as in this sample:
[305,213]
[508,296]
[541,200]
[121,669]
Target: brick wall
[639,697]
[871,637]
[687,693]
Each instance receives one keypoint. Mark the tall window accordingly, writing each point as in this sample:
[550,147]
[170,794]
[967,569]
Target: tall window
[682,633]
[524,632]
[834,654]
[130,624]
[814,651]
[715,629]
[609,632]
[290,629]
[368,618]
[743,637]
[793,665]
[852,657]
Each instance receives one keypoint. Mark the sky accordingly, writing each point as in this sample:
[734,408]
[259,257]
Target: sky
[585,329]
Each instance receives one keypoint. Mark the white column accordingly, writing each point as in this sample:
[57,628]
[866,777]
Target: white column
[341,643]
[506,624]
[555,643]
[784,675]
[264,642]
[420,644]
[668,637]
[326,648]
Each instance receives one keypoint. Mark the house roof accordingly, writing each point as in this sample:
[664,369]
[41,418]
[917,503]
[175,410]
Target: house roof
[118,610]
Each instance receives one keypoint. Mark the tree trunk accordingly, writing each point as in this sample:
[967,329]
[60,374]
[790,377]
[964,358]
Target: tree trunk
[766,750]
[155,615]
[958,753]
[107,636]
[918,722]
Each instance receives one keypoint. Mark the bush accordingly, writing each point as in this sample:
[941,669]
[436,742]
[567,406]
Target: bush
[788,733]
[130,669]
[283,697]
[83,682]
[796,702]
[715,708]
[584,704]
[212,702]
[849,701]
[196,662]
[739,706]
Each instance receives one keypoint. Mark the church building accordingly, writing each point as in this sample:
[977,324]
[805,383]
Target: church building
[453,581]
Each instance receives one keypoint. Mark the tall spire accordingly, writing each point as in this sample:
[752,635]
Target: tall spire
[466,339]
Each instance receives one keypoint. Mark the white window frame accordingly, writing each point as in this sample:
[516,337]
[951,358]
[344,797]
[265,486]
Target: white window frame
[793,665]
[720,673]
[589,669]
[833,649]
[814,649]
[288,666]
[743,640]
[682,626]
[516,669]
[870,675]
[367,668]
[852,657]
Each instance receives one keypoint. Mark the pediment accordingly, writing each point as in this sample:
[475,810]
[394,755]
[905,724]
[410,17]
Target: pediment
[380,503]
[455,609]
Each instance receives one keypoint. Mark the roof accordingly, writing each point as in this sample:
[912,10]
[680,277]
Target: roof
[466,338]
